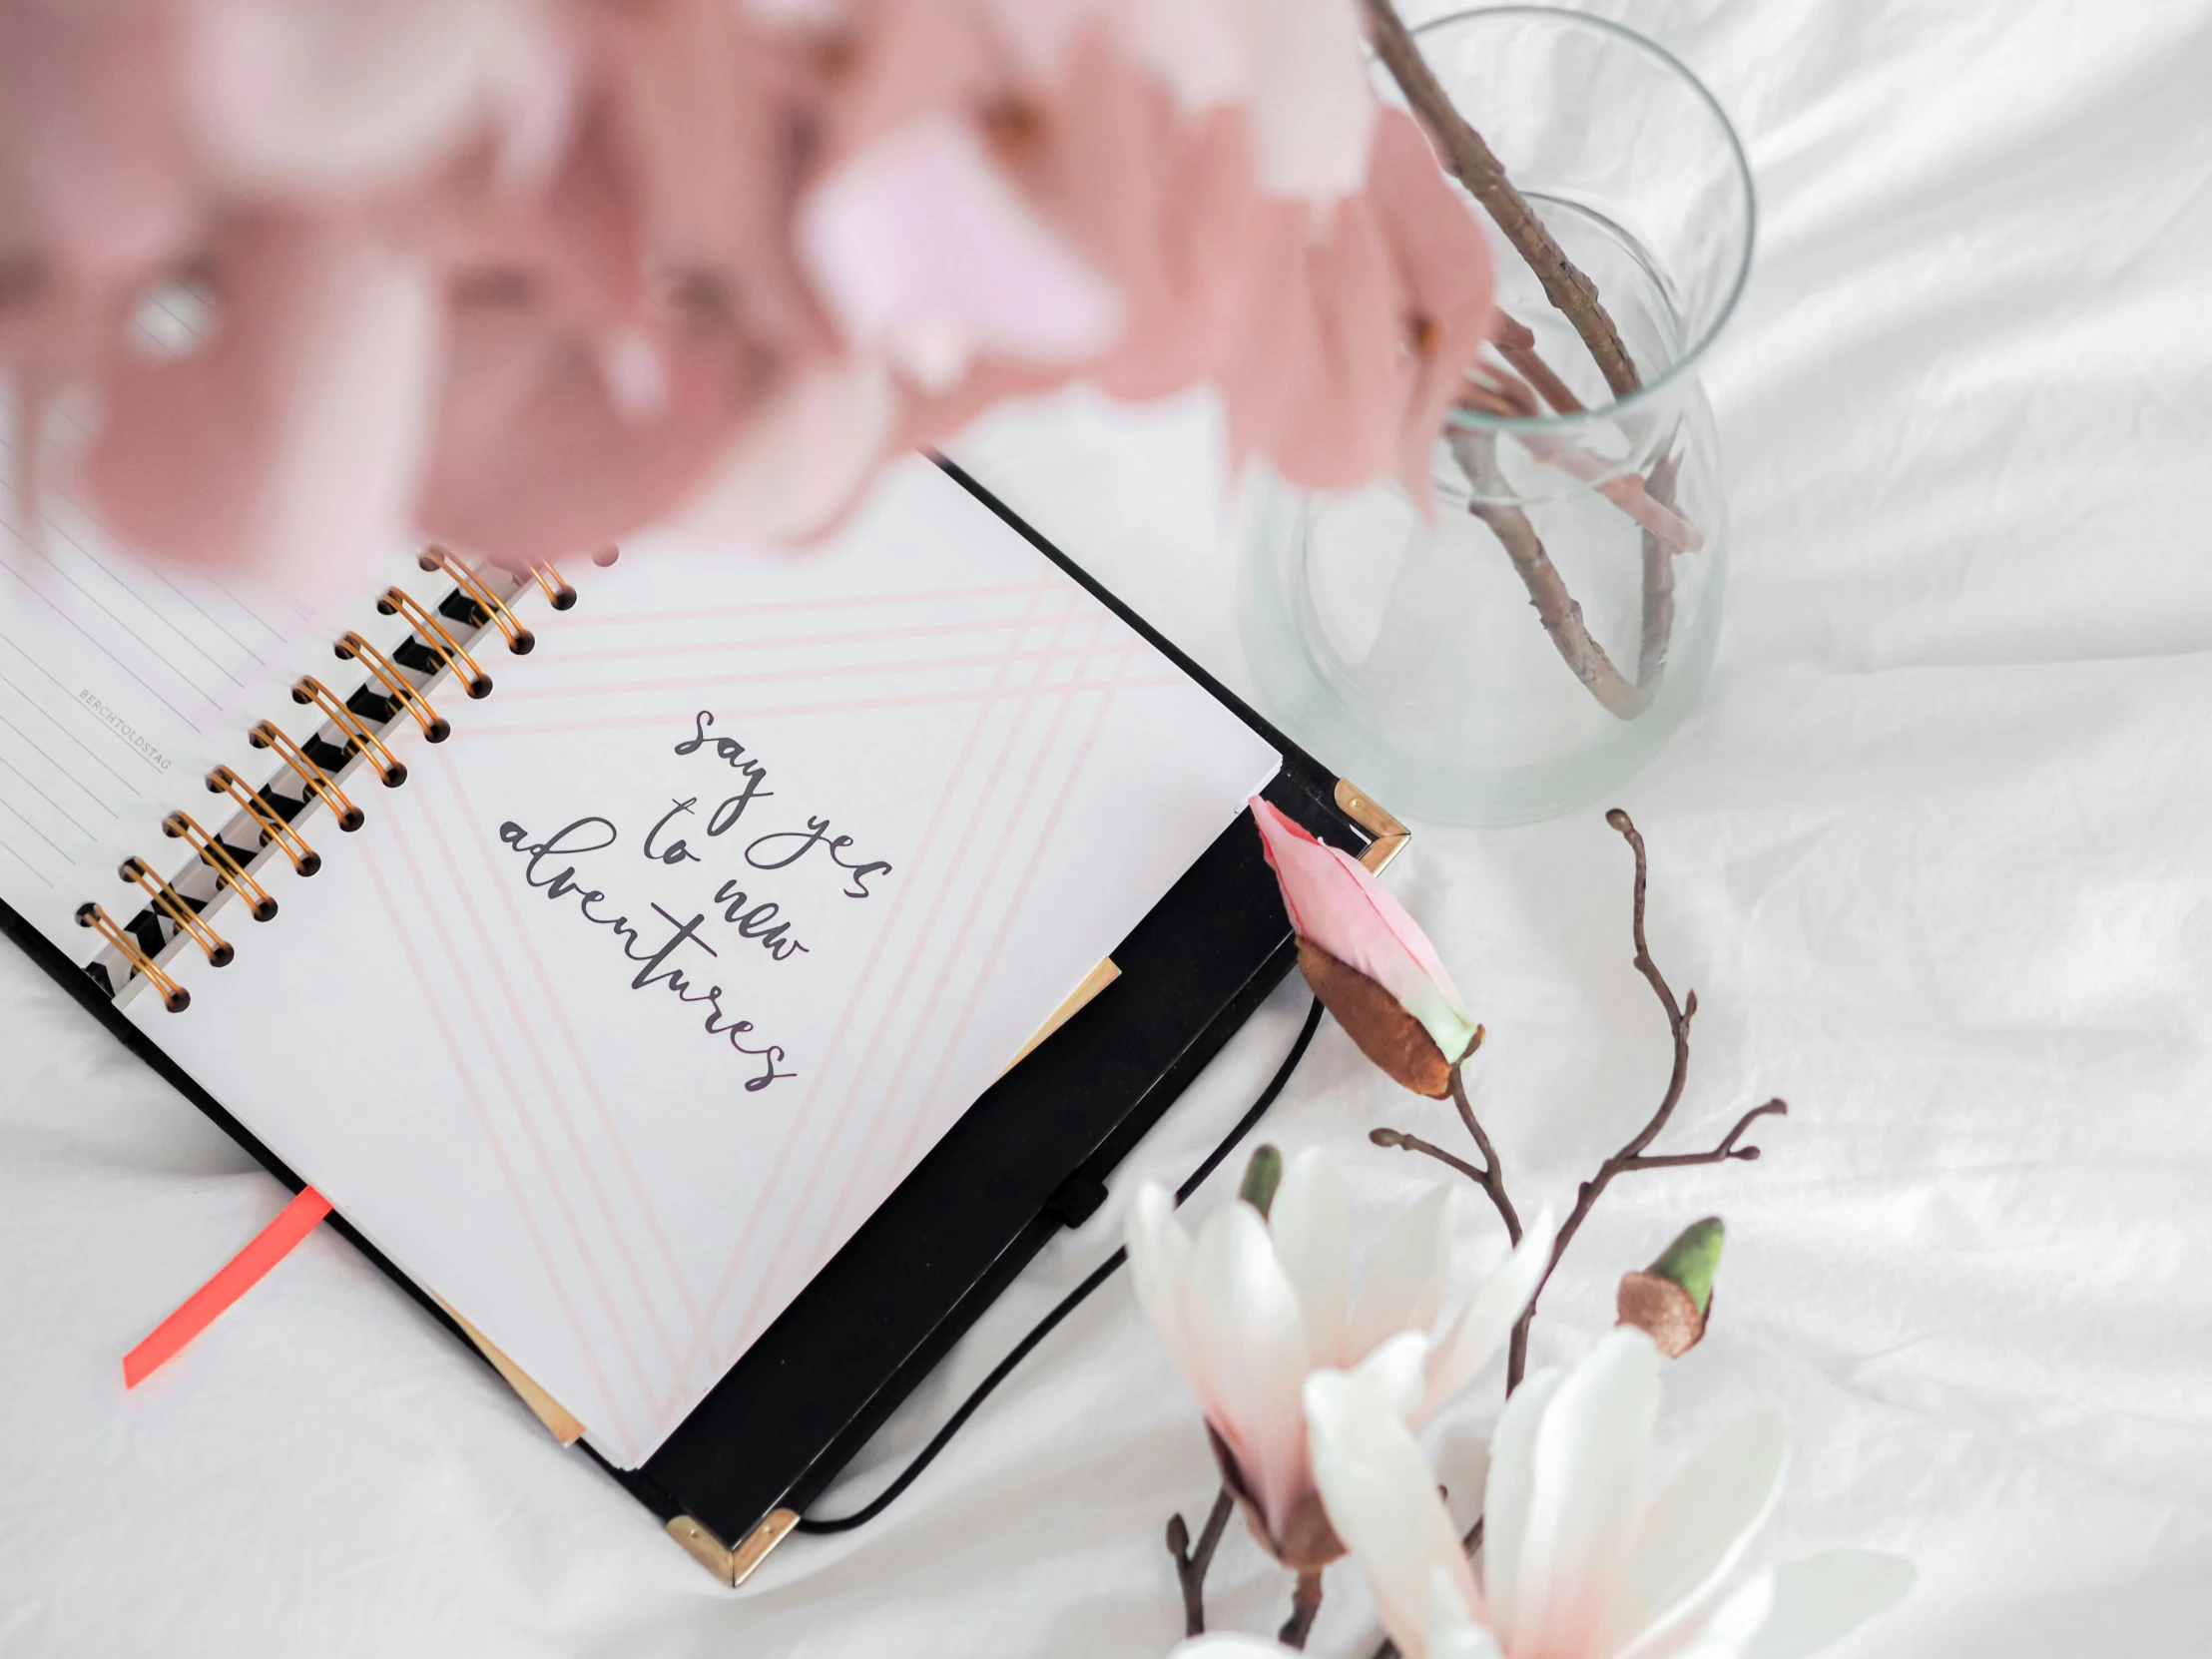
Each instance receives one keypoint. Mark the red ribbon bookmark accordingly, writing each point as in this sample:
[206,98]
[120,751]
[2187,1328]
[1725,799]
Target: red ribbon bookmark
[242,1272]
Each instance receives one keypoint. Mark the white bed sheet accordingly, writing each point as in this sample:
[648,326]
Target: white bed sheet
[1938,854]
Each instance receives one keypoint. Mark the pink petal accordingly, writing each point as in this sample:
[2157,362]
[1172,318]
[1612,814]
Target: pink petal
[356,95]
[97,170]
[1313,108]
[804,460]
[537,460]
[1447,278]
[1333,901]
[925,255]
[297,432]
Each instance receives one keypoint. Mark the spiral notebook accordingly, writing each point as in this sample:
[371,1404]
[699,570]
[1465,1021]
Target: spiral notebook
[607,943]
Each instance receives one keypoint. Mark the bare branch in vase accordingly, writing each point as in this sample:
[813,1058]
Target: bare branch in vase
[1471,160]
[1555,607]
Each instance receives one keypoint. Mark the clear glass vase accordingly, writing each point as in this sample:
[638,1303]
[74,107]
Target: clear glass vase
[1534,640]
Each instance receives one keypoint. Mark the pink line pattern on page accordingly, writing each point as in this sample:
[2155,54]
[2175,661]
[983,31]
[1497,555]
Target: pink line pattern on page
[803,1118]
[1009,701]
[488,1035]
[844,706]
[518,1024]
[926,1109]
[831,1230]
[800,607]
[607,1120]
[767,1288]
[436,1007]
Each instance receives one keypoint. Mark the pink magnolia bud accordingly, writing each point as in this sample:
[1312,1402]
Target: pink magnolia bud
[1367,960]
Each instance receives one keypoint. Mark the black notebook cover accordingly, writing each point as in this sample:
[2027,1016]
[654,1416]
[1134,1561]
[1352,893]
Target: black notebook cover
[1031,1155]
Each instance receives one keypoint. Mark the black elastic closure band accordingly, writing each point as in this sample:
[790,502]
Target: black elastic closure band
[1073,1300]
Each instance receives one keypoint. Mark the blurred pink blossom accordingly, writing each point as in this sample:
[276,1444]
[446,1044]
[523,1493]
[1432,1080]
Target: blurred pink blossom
[523,275]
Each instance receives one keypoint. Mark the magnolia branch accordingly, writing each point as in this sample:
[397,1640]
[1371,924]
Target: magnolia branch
[1633,1157]
[1471,160]
[1190,1564]
[1305,1608]
[1547,591]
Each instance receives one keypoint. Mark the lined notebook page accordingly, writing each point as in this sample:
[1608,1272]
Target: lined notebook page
[121,683]
[615,1022]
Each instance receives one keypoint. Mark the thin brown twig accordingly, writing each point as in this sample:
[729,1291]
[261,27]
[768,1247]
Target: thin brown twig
[1190,1564]
[1397,1140]
[1555,607]
[1516,344]
[1478,169]
[1493,1177]
[1633,1154]
[1305,1608]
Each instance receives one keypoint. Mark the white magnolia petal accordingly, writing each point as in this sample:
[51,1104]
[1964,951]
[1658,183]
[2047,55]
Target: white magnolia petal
[1485,1324]
[1394,1370]
[1694,1534]
[1248,1355]
[1453,1632]
[1410,1278]
[1312,1226]
[1822,1599]
[1159,1260]
[1592,1450]
[1227,1645]
[1732,1625]
[1382,1499]
[1507,1491]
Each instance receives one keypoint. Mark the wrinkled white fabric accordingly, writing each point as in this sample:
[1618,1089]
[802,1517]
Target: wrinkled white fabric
[1934,854]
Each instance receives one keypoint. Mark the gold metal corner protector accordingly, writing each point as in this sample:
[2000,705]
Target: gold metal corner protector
[1390,835]
[559,1421]
[733,1566]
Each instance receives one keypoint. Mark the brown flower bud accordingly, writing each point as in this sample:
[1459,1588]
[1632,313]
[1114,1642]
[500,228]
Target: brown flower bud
[1377,1022]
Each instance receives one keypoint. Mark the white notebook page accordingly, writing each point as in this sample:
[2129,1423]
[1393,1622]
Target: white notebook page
[121,681]
[619,1118]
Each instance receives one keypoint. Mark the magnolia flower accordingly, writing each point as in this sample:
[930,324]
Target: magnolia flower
[1258,1302]
[525,275]
[1368,959]
[1574,1566]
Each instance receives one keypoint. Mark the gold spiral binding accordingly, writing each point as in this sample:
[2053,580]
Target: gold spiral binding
[351,647]
[170,903]
[556,588]
[305,858]
[358,738]
[267,734]
[431,632]
[173,996]
[228,870]
[520,641]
